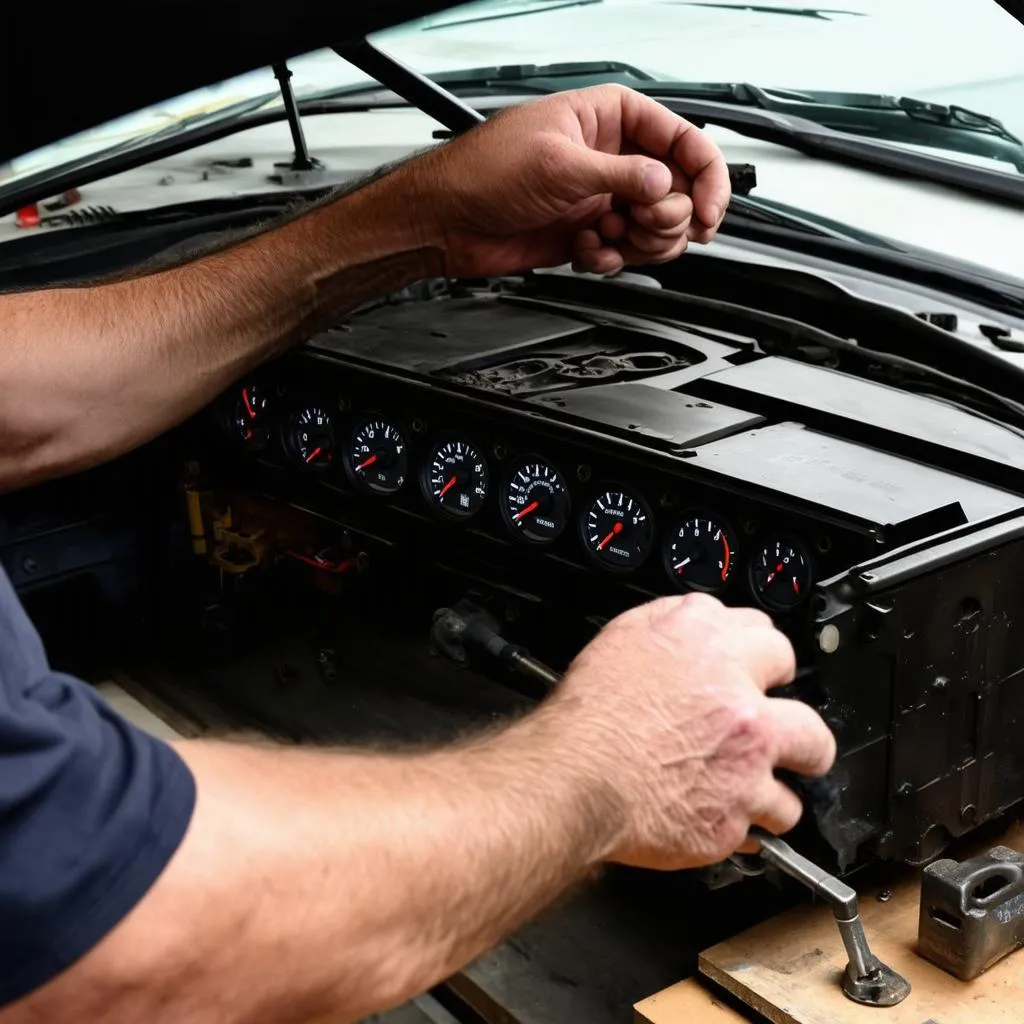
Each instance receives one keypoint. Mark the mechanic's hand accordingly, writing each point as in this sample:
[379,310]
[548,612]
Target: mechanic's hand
[669,702]
[601,177]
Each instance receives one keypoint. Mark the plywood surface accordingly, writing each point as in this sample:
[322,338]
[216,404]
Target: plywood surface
[788,968]
[689,1002]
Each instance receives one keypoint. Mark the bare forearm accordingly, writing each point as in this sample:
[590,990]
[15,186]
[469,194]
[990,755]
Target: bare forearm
[317,884]
[91,372]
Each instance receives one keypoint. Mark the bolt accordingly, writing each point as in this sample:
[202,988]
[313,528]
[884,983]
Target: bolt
[940,684]
[968,814]
[828,639]
[905,790]
[885,895]
[30,565]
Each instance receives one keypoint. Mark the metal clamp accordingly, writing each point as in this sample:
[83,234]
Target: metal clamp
[866,979]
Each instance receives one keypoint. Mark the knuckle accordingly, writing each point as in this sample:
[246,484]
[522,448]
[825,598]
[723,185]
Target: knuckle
[748,733]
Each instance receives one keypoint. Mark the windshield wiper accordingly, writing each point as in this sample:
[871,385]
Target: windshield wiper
[898,119]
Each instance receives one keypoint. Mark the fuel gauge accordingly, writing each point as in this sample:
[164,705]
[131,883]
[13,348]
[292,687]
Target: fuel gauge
[250,417]
[309,438]
[700,553]
[780,575]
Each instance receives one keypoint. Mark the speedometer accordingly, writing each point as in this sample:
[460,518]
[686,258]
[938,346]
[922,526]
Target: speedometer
[455,478]
[535,501]
[377,459]
[618,529]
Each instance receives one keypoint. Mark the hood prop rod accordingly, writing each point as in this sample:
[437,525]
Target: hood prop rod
[303,167]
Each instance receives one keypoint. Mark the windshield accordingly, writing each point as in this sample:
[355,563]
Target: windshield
[966,53]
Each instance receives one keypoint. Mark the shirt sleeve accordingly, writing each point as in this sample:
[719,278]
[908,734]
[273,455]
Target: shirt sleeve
[91,810]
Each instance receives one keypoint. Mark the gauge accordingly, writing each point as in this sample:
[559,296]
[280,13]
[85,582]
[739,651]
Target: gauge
[377,458]
[618,529]
[780,575]
[250,417]
[700,553]
[310,437]
[535,501]
[455,478]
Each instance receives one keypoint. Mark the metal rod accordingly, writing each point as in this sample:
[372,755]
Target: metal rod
[303,161]
[413,87]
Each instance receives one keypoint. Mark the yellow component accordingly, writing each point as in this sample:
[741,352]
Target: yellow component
[195,521]
[236,550]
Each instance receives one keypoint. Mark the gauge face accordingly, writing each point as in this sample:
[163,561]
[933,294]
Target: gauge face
[250,417]
[455,478]
[780,575]
[535,501]
[378,458]
[618,530]
[310,438]
[700,553]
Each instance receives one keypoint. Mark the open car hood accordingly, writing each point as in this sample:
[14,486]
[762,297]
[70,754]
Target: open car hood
[107,60]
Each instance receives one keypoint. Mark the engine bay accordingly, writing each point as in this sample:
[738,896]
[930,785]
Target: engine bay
[513,450]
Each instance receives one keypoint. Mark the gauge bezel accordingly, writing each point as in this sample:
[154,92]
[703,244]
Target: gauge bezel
[288,442]
[669,537]
[520,534]
[797,546]
[262,427]
[581,521]
[359,482]
[453,515]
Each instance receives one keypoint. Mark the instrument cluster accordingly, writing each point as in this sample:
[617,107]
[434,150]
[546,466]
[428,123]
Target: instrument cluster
[609,523]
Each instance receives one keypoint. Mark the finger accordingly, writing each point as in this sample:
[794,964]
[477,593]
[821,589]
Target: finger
[670,214]
[656,130]
[653,243]
[803,742]
[775,807]
[639,179]
[611,226]
[743,617]
[766,653]
[592,256]
[638,257]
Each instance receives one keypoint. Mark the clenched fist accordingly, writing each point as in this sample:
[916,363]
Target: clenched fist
[602,177]
[669,706]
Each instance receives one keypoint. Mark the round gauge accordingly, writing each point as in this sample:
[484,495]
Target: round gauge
[618,530]
[377,457]
[780,575]
[455,478]
[310,438]
[535,501]
[700,553]
[250,417]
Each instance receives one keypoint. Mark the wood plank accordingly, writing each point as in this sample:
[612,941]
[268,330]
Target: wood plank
[688,1002]
[788,968]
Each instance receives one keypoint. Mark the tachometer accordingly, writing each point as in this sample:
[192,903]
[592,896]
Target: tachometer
[250,417]
[700,553]
[535,501]
[377,459]
[455,478]
[780,575]
[309,438]
[618,529]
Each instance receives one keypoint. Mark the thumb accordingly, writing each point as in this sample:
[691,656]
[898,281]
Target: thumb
[640,179]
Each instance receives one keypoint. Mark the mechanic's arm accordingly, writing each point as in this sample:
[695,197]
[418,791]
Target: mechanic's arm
[314,884]
[90,372]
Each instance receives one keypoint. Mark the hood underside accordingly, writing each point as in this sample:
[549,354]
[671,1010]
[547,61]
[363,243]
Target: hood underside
[106,60]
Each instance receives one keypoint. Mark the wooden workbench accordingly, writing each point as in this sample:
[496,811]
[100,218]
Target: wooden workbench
[786,969]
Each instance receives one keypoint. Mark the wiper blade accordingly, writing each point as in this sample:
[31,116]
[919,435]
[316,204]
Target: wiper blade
[898,119]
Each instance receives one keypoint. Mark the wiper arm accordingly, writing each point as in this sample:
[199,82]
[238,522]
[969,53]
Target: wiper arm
[873,115]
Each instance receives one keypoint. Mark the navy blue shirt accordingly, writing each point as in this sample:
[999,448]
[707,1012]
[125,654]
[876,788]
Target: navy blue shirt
[91,810]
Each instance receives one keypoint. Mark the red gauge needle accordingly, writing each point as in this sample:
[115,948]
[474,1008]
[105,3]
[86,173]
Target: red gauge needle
[532,507]
[248,405]
[313,454]
[447,487]
[796,587]
[369,462]
[617,528]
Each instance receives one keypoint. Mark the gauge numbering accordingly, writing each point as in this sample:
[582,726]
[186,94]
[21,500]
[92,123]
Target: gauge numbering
[455,478]
[618,530]
[310,438]
[780,575]
[378,457]
[535,501]
[700,553]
